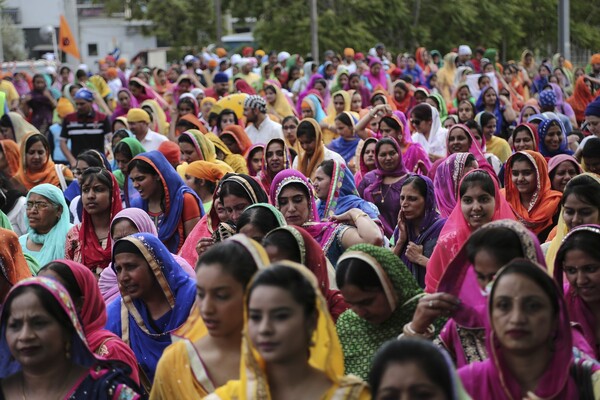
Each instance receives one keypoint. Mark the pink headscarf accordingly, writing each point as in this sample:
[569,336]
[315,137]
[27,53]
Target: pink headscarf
[456,232]
[119,110]
[446,181]
[376,80]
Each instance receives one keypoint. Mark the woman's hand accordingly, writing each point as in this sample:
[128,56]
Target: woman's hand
[348,217]
[203,245]
[414,253]
[432,307]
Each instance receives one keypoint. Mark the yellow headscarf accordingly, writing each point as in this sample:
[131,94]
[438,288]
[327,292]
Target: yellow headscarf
[159,118]
[282,107]
[235,161]
[309,166]
[21,127]
[329,135]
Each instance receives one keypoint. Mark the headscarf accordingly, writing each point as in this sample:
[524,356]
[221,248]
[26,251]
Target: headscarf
[538,215]
[119,110]
[174,190]
[282,106]
[192,119]
[579,310]
[582,96]
[376,80]
[310,88]
[446,75]
[555,161]
[80,352]
[346,147]
[159,118]
[240,136]
[308,166]
[455,233]
[325,355]
[53,242]
[480,106]
[450,171]
[244,87]
[543,128]
[361,339]
[148,93]
[342,195]
[13,265]
[380,174]
[443,111]
[93,256]
[475,148]
[235,161]
[252,150]
[525,107]
[138,330]
[264,175]
[360,161]
[131,195]
[315,104]
[20,126]
[533,132]
[47,174]
[12,154]
[249,185]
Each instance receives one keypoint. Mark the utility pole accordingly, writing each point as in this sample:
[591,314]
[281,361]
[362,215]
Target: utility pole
[564,32]
[219,18]
[314,31]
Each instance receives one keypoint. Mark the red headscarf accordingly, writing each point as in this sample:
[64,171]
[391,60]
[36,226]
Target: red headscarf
[244,87]
[582,96]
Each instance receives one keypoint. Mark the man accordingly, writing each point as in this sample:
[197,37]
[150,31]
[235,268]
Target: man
[220,86]
[139,120]
[85,127]
[263,128]
[464,56]
[595,72]
[348,60]
[592,119]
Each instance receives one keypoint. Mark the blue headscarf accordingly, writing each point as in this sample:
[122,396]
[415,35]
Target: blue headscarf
[53,242]
[145,340]
[343,195]
[346,148]
[174,189]
[480,106]
[317,107]
[543,128]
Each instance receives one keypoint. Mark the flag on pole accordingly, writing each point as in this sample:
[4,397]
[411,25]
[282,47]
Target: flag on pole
[66,41]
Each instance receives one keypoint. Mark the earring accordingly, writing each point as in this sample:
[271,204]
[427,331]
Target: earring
[68,351]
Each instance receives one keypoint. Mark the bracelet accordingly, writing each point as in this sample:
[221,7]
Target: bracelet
[409,331]
[358,216]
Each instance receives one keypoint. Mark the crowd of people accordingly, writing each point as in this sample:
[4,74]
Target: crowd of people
[260,225]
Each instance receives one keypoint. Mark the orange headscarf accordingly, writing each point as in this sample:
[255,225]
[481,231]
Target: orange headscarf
[46,175]
[240,136]
[12,154]
[191,118]
[309,166]
[544,203]
[582,96]
[14,266]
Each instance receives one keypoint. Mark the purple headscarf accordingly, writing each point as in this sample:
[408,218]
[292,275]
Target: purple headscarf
[119,110]
[306,92]
[445,183]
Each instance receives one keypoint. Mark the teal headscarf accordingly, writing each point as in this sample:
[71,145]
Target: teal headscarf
[53,242]
[5,222]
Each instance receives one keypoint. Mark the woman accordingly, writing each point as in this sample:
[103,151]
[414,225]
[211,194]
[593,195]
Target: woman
[83,289]
[403,368]
[10,157]
[365,159]
[237,192]
[14,126]
[561,169]
[382,295]
[292,194]
[546,372]
[295,244]
[156,298]
[376,75]
[235,161]
[382,186]
[525,137]
[70,368]
[419,225]
[493,144]
[580,206]
[466,111]
[582,96]
[193,368]
[452,169]
[429,132]
[128,222]
[14,267]
[528,111]
[403,98]
[254,158]
[124,152]
[47,220]
[336,192]
[258,220]
[125,102]
[278,104]
[157,116]
[339,105]
[346,143]
[174,207]
[480,201]
[202,177]
[37,166]
[41,102]
[577,261]
[553,138]
[446,76]
[312,107]
[236,139]
[311,139]
[89,242]
[320,376]
[289,125]
[528,190]
[276,158]
[500,106]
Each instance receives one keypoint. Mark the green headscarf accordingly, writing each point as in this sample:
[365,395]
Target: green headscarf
[136,148]
[443,108]
[360,339]
[276,213]
[337,86]
[5,222]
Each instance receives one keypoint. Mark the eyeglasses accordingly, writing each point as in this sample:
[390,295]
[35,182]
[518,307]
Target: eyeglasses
[415,122]
[38,205]
[288,127]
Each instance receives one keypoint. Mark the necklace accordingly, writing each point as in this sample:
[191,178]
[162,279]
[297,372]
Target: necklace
[383,194]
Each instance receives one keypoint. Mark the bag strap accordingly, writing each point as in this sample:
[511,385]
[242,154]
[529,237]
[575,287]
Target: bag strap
[61,176]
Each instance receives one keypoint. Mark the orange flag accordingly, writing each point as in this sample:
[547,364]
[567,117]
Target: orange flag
[66,41]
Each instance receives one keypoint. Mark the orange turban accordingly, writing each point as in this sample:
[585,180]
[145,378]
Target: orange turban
[348,52]
[112,73]
[171,152]
[221,52]
[207,170]
[212,63]
[596,58]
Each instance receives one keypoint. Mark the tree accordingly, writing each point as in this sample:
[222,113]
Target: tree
[13,40]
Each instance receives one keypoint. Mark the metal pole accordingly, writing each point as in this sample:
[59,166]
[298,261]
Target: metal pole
[1,47]
[564,34]
[55,47]
[219,19]
[314,31]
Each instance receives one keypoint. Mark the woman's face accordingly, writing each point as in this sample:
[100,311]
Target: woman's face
[465,112]
[521,314]
[523,141]
[464,94]
[275,157]
[343,80]
[80,167]
[124,100]
[321,183]
[147,185]
[206,108]
[449,123]
[188,152]
[96,197]
[42,213]
[388,131]
[36,157]
[294,206]
[407,380]
[356,104]
[486,267]
[369,156]
[458,141]
[432,103]
[308,144]
[420,97]
[490,98]
[256,160]
[278,326]
[122,162]
[343,130]
[231,144]
[34,337]
[375,69]
[320,88]
[271,96]
[370,305]
[7,133]
[339,104]
[388,157]
[184,109]
[135,90]
[39,84]
[134,275]
[528,113]
[289,130]
[220,300]
[583,273]
[307,112]
[564,173]
[553,138]
[226,120]
[477,206]
[399,93]
[235,206]
[577,212]
[490,128]
[355,83]
[412,203]
[524,177]
[122,228]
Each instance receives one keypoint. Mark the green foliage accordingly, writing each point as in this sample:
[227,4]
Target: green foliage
[13,40]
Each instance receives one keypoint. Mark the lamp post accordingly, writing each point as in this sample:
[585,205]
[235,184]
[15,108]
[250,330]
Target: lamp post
[564,33]
[314,31]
